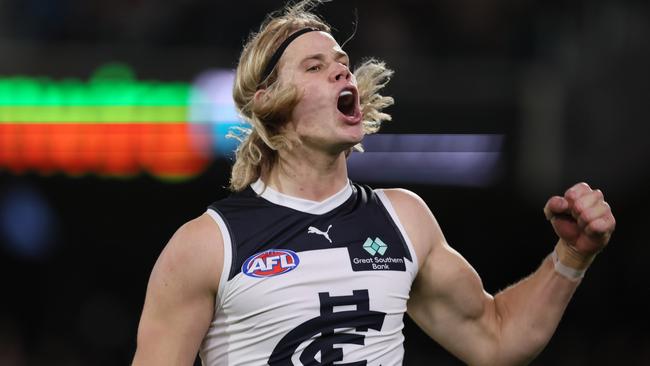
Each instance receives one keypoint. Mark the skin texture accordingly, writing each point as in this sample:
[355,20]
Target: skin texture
[447,299]
[180,295]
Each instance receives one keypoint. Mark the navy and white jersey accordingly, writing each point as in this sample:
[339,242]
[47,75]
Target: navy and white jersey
[310,283]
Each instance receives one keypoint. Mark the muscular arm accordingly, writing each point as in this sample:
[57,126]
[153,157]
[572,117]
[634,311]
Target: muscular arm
[179,304]
[448,301]
[511,328]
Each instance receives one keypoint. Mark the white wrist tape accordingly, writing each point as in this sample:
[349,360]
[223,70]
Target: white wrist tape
[566,271]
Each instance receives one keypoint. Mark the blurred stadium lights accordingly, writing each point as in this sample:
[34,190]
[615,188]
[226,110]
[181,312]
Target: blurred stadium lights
[211,101]
[116,125]
[111,125]
[459,160]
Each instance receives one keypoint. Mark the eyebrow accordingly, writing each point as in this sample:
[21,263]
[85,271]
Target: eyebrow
[321,57]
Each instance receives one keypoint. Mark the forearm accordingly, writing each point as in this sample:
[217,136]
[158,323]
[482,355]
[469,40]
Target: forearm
[530,311]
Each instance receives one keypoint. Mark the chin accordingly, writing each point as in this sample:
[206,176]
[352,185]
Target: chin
[354,133]
[358,138]
[351,141]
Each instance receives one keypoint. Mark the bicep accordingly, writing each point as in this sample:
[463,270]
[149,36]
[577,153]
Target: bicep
[180,297]
[447,299]
[449,303]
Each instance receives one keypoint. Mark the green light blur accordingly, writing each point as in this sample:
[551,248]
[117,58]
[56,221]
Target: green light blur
[93,114]
[111,95]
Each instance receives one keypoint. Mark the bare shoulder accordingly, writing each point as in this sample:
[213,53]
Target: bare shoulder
[195,252]
[200,232]
[180,297]
[418,221]
[405,199]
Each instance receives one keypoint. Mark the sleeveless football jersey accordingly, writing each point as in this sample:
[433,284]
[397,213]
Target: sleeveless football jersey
[310,283]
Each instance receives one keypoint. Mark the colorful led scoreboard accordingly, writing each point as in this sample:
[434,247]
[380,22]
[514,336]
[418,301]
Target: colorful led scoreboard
[115,125]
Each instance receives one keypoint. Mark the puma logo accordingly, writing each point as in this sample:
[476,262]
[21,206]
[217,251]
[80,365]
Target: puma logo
[313,230]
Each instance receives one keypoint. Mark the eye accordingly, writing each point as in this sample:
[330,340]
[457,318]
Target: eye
[314,68]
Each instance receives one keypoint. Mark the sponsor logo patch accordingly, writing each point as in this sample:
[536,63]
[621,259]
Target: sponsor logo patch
[270,263]
[375,246]
[377,255]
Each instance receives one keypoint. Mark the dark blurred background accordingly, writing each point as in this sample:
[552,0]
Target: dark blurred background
[564,83]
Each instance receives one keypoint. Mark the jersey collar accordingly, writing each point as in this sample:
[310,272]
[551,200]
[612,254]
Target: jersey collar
[301,204]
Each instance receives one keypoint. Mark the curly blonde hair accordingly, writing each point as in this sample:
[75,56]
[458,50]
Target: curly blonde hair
[257,151]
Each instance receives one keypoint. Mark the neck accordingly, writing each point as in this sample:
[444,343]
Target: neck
[308,174]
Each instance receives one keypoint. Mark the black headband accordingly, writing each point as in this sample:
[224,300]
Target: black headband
[278,53]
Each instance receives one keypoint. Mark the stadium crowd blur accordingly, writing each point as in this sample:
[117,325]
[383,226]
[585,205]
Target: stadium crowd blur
[565,83]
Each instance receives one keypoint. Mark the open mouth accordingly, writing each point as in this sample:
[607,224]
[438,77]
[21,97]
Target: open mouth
[347,103]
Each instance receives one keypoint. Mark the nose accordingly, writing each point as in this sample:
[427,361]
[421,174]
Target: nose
[340,72]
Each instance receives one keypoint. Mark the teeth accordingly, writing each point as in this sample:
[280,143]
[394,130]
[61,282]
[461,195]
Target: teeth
[345,93]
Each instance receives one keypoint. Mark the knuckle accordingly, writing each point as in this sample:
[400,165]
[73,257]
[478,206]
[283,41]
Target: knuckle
[578,190]
[609,209]
[606,207]
[594,226]
[583,185]
[610,220]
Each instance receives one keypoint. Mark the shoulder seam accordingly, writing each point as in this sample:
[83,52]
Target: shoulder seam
[229,245]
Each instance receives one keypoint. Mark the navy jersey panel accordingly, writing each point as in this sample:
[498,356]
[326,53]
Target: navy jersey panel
[257,225]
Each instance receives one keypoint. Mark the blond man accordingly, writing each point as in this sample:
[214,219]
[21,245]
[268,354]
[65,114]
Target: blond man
[300,266]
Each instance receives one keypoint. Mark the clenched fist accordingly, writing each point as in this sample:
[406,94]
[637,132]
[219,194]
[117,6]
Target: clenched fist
[583,221]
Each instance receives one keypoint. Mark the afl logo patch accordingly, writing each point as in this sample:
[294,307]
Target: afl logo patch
[270,263]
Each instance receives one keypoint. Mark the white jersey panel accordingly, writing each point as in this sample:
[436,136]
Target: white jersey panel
[300,288]
[260,309]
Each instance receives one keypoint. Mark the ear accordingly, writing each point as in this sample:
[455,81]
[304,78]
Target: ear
[260,95]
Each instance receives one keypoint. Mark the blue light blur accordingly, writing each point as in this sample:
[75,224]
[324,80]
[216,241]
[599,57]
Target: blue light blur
[454,160]
[211,103]
[26,223]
